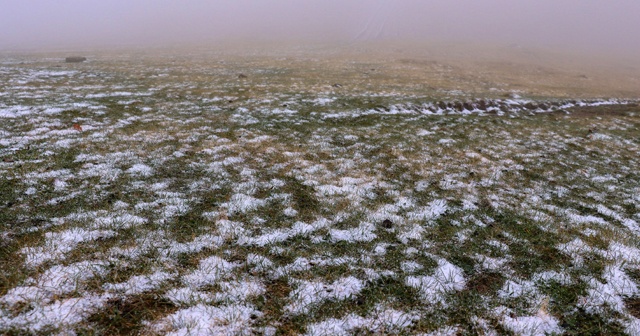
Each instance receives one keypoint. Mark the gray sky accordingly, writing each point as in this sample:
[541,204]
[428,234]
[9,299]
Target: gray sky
[573,24]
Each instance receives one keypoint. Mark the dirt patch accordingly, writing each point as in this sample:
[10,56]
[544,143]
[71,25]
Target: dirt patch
[273,302]
[485,283]
[633,305]
[125,316]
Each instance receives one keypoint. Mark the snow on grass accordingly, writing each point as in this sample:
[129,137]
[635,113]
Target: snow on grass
[139,283]
[304,264]
[492,264]
[106,172]
[55,281]
[622,254]
[410,266]
[381,321]
[434,210]
[209,320]
[310,293]
[445,279]
[342,326]
[140,169]
[616,286]
[445,331]
[559,277]
[241,203]
[226,228]
[363,233]
[247,208]
[239,291]
[415,232]
[124,221]
[186,296]
[577,249]
[537,325]
[62,314]
[171,249]
[629,223]
[517,288]
[281,235]
[323,101]
[231,292]
[57,244]
[210,271]
[579,219]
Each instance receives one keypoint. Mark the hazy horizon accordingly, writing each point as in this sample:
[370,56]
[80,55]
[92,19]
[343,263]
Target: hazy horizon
[570,25]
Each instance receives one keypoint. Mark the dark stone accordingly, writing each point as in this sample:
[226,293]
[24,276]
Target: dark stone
[387,224]
[482,105]
[75,59]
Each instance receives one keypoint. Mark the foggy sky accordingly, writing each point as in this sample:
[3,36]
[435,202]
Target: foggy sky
[572,24]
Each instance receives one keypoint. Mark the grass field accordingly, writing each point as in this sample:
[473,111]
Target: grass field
[321,195]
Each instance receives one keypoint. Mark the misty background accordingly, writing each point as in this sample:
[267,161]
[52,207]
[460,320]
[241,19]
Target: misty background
[578,25]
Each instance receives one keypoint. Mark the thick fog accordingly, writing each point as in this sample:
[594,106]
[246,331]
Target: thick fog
[584,25]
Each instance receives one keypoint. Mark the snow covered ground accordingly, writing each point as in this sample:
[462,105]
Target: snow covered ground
[166,199]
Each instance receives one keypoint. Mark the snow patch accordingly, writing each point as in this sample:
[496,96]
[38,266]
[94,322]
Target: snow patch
[445,279]
[310,293]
